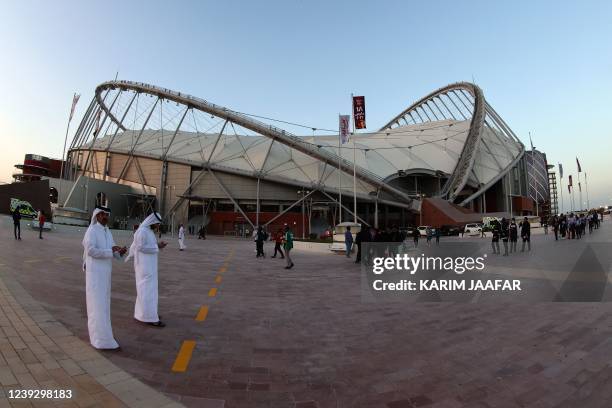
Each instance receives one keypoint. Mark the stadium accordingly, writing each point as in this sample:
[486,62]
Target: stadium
[448,158]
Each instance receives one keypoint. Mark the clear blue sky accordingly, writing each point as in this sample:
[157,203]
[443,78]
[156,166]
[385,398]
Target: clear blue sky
[545,66]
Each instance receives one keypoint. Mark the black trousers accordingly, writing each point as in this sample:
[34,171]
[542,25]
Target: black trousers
[358,256]
[277,247]
[40,229]
[17,230]
[259,247]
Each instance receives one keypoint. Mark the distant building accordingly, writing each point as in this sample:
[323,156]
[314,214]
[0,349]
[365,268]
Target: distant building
[538,181]
[552,188]
[35,167]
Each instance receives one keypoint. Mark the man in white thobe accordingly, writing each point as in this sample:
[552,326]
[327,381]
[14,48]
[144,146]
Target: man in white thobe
[181,237]
[99,249]
[144,250]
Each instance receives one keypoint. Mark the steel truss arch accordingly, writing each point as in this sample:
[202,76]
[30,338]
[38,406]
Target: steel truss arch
[466,101]
[272,132]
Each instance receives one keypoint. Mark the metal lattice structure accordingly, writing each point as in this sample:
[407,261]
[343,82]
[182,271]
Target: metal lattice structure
[487,133]
[452,132]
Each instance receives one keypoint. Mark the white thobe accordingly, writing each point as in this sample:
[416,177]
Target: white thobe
[145,267]
[181,238]
[98,254]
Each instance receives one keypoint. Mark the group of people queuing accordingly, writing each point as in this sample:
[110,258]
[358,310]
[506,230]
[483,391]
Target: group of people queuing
[40,220]
[99,250]
[508,231]
[574,226]
[392,236]
[283,240]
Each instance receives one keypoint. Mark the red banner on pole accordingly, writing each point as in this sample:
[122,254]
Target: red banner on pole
[359,112]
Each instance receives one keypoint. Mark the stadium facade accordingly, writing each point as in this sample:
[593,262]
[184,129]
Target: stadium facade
[446,158]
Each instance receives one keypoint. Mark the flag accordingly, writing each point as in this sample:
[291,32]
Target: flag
[359,112]
[570,180]
[569,189]
[344,128]
[531,142]
[578,164]
[579,187]
[560,170]
[75,99]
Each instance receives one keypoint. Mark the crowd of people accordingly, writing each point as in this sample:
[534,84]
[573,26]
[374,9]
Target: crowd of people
[283,240]
[574,226]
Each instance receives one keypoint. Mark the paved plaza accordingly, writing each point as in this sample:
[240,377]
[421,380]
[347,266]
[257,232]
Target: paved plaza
[245,332]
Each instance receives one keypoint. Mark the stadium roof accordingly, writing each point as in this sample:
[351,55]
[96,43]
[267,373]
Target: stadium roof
[453,133]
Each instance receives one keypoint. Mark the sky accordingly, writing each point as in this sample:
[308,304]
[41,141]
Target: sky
[544,66]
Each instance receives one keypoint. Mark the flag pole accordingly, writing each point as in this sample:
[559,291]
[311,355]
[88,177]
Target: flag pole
[354,164]
[59,194]
[579,193]
[586,186]
[339,179]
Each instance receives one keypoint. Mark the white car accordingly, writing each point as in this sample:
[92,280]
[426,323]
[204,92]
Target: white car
[472,229]
[423,230]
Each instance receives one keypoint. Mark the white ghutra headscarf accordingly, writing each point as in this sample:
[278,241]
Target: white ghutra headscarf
[94,221]
[152,219]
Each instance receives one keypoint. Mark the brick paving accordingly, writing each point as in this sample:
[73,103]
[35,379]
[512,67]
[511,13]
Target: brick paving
[39,353]
[305,338]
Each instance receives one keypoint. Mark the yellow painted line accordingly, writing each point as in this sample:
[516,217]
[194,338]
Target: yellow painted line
[222,269]
[184,356]
[218,279]
[202,314]
[212,292]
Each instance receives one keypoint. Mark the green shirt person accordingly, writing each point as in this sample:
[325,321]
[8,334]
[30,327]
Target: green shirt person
[288,245]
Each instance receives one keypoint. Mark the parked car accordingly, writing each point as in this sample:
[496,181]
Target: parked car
[450,230]
[472,229]
[423,230]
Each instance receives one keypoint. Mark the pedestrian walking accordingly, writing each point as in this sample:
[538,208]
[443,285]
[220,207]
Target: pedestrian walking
[526,234]
[348,241]
[428,235]
[260,237]
[278,241]
[17,222]
[437,234]
[288,245]
[496,230]
[181,237]
[513,229]
[415,237]
[41,223]
[505,234]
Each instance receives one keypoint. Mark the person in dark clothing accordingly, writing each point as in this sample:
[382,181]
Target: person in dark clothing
[505,234]
[358,240]
[526,234]
[348,241]
[17,223]
[41,223]
[513,229]
[202,233]
[437,234]
[278,241]
[496,230]
[555,225]
[415,237]
[260,237]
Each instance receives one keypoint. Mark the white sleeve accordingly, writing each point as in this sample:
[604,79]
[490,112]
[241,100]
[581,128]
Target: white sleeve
[92,250]
[145,244]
